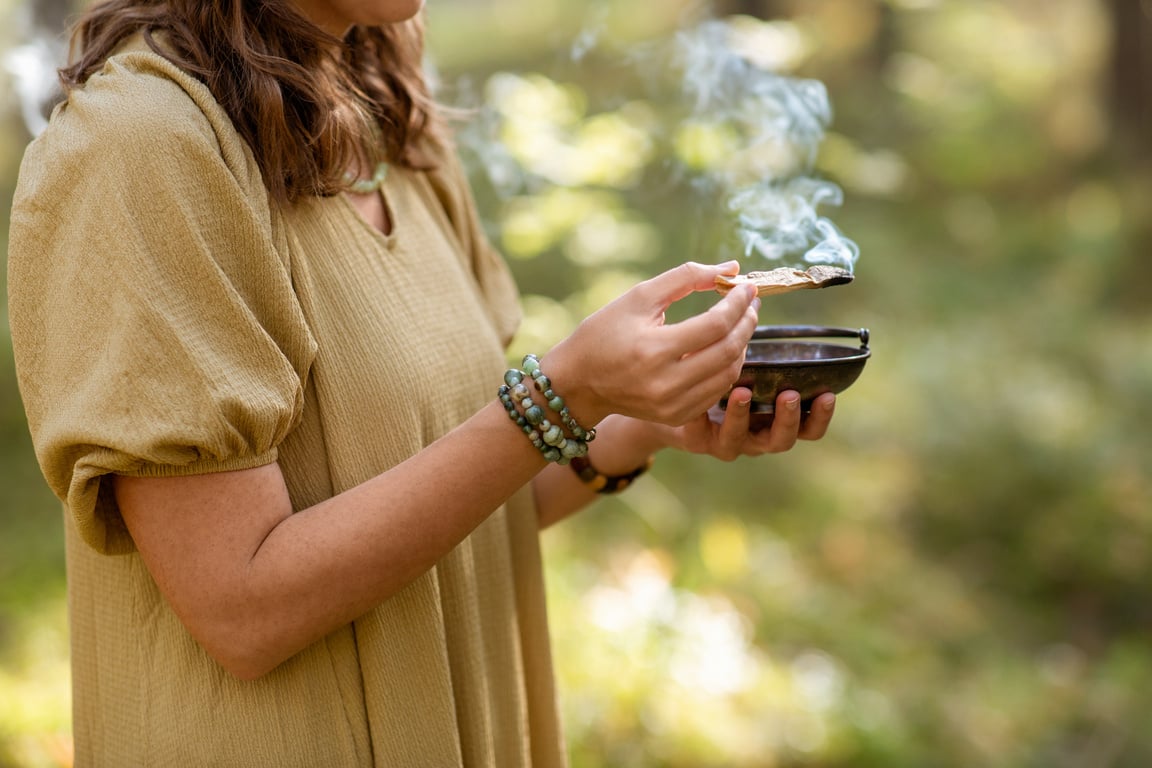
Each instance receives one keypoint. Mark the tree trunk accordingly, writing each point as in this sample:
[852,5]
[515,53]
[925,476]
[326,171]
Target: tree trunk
[1131,74]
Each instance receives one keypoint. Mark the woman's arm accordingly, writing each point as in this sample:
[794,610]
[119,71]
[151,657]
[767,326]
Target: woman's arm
[255,583]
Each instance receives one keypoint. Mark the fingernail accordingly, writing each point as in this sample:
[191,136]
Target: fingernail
[830,404]
[744,403]
[792,403]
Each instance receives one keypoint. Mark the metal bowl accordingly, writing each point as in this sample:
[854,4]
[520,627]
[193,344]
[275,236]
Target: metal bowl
[776,362]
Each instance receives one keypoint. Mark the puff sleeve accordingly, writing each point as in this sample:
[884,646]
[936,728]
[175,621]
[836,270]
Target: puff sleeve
[153,320]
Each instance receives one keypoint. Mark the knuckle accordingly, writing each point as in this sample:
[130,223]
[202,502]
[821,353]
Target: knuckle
[687,270]
[734,369]
[735,347]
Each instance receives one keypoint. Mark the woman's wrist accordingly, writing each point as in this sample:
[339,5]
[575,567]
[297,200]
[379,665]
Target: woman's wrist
[549,425]
[569,379]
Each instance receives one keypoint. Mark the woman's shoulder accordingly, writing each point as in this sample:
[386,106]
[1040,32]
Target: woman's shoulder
[140,107]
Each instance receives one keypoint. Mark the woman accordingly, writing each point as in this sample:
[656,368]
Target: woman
[261,369]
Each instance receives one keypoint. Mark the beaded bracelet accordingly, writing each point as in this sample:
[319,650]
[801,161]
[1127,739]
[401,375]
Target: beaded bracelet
[555,402]
[607,483]
[548,438]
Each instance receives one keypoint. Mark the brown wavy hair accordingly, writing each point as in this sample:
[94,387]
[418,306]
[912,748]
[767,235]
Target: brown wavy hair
[309,105]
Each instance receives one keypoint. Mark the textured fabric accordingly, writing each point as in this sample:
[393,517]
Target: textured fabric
[167,320]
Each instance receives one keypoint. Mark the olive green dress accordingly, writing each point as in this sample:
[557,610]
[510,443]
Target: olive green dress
[167,320]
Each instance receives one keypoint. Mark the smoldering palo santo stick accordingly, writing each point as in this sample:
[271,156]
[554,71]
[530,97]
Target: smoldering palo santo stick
[785,279]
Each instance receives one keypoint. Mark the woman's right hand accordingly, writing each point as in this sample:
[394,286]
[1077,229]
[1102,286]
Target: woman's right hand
[625,359]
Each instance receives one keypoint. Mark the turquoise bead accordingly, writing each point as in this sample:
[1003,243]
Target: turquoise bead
[368,186]
[556,403]
[512,377]
[553,436]
[531,365]
[570,449]
[534,414]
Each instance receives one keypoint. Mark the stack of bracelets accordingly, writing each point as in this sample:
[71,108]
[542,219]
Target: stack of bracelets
[549,437]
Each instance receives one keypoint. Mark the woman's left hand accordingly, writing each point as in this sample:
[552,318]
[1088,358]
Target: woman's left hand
[731,438]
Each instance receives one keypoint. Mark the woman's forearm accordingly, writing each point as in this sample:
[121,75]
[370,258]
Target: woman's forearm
[255,583]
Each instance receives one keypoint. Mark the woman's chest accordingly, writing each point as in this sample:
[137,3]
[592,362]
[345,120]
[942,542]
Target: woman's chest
[406,347]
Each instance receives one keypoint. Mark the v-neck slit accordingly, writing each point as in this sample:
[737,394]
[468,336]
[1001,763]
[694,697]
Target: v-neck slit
[386,239]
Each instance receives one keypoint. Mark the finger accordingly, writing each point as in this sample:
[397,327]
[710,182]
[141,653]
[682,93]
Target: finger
[725,321]
[782,435]
[704,377]
[724,355]
[815,425]
[733,433]
[669,287]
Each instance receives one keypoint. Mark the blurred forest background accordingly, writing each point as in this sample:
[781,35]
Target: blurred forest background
[960,574]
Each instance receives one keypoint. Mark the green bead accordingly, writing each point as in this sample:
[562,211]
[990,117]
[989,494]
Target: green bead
[542,382]
[570,448]
[531,364]
[553,436]
[512,377]
[551,454]
[534,414]
[556,403]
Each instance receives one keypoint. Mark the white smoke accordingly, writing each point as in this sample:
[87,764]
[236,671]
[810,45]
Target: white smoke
[741,132]
[777,124]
